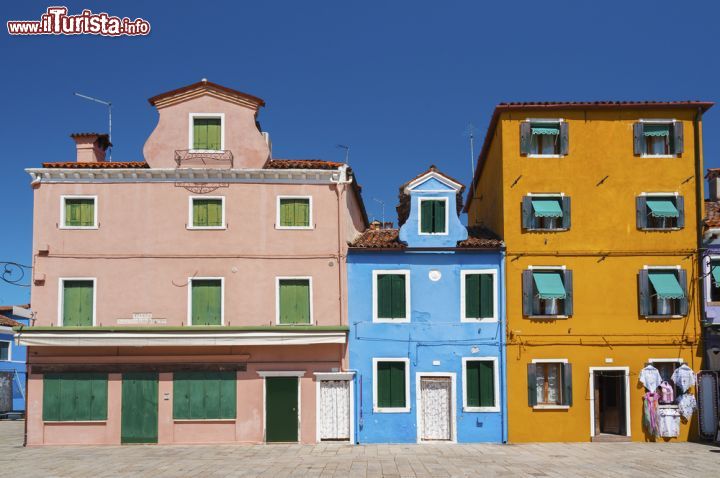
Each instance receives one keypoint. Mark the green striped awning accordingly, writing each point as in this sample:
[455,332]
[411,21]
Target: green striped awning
[662,207]
[715,271]
[547,207]
[656,129]
[549,284]
[666,285]
[545,128]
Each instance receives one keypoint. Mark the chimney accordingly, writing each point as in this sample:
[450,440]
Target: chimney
[713,176]
[91,147]
[375,225]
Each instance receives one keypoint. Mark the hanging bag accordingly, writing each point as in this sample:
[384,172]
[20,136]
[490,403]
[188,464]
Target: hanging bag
[667,392]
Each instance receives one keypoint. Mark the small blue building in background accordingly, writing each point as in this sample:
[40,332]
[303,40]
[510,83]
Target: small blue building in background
[427,323]
[13,359]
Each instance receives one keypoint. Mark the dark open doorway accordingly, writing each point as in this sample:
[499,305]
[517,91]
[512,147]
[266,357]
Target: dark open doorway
[610,413]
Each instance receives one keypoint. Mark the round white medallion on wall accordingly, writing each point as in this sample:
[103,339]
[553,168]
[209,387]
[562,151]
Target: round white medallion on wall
[434,275]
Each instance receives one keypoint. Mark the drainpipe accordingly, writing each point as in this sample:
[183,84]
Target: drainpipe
[699,214]
[501,348]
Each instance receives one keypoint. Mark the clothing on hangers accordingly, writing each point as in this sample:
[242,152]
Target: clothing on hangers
[650,378]
[687,405]
[684,377]
[650,413]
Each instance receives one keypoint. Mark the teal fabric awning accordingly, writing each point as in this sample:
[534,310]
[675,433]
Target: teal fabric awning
[662,207]
[666,284]
[656,129]
[547,207]
[545,128]
[715,271]
[549,284]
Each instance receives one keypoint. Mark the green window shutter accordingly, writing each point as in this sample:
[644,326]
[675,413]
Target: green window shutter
[384,296]
[204,395]
[75,397]
[215,212]
[206,299]
[480,384]
[207,212]
[200,213]
[472,387]
[391,384]
[294,301]
[398,296]
[532,384]
[294,212]
[200,137]
[77,303]
[79,212]
[486,296]
[472,296]
[213,133]
[567,384]
[438,216]
[426,216]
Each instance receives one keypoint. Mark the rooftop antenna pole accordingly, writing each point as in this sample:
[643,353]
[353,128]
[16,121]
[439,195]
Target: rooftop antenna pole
[383,212]
[471,134]
[109,105]
[347,151]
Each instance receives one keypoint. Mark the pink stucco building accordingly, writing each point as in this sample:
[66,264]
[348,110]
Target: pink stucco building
[194,297]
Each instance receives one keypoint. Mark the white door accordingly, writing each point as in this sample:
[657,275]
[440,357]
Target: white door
[435,404]
[334,410]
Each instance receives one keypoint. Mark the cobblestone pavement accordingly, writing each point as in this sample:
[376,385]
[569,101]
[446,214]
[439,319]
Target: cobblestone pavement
[526,460]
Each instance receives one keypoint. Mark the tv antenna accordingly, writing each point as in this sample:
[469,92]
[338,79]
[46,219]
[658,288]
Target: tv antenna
[382,203]
[347,151]
[109,105]
[470,133]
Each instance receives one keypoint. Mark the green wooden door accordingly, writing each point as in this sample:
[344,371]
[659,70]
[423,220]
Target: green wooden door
[281,409]
[139,408]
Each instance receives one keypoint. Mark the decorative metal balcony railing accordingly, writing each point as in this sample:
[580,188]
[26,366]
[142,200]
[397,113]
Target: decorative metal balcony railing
[188,157]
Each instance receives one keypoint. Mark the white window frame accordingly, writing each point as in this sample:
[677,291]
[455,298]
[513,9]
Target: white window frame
[447,215]
[660,121]
[191,132]
[277,298]
[560,196]
[708,277]
[463,316]
[667,268]
[222,297]
[190,225]
[78,196]
[551,407]
[559,121]
[378,409]
[310,225]
[549,268]
[674,194]
[61,297]
[9,342]
[408,313]
[496,384]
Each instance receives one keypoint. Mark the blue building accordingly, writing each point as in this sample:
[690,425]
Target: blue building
[427,323]
[13,360]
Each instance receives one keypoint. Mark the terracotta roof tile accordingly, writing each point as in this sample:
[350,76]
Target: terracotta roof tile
[100,165]
[712,214]
[8,322]
[388,239]
[302,164]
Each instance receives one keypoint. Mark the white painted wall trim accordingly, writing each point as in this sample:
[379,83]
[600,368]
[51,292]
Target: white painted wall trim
[190,225]
[334,375]
[299,401]
[408,313]
[277,297]
[463,274]
[496,384]
[62,225]
[10,347]
[627,397]
[433,175]
[281,373]
[311,224]
[191,132]
[378,409]
[422,199]
[61,297]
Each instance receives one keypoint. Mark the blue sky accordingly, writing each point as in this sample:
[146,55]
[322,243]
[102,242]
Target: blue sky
[397,81]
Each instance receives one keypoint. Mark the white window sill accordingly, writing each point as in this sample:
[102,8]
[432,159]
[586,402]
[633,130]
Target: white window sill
[294,228]
[295,324]
[655,156]
[549,317]
[546,155]
[206,151]
[74,422]
[77,227]
[551,407]
[481,409]
[663,316]
[391,410]
[206,228]
[204,420]
[432,233]
[660,228]
[554,229]
[484,320]
[391,321]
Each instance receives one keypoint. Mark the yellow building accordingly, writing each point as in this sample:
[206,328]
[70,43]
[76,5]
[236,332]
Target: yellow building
[598,206]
